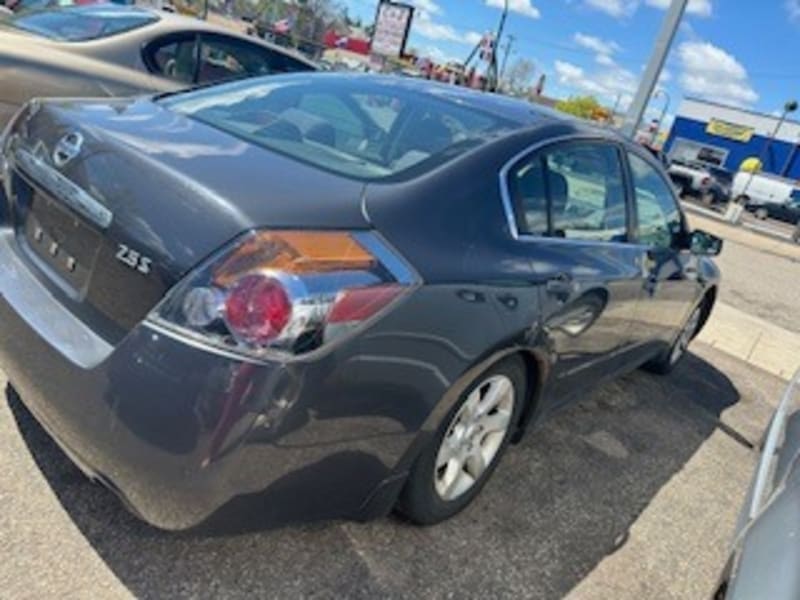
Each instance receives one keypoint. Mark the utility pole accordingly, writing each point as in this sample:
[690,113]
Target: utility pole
[654,67]
[788,108]
[491,80]
[509,44]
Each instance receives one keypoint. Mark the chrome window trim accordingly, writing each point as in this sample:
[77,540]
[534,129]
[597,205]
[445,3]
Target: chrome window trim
[508,206]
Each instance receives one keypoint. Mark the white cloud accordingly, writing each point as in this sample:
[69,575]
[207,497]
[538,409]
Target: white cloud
[428,6]
[699,8]
[604,60]
[608,84]
[596,44]
[614,8]
[626,8]
[473,38]
[425,26]
[712,73]
[523,7]
[793,8]
[438,55]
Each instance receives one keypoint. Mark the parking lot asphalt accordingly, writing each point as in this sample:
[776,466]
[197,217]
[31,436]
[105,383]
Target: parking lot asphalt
[632,491]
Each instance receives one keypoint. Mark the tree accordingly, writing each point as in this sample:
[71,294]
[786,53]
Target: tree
[585,107]
[519,76]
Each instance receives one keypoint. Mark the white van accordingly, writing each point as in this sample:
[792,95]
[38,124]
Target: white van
[762,191]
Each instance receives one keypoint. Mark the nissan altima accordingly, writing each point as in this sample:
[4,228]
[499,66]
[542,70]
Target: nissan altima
[356,290]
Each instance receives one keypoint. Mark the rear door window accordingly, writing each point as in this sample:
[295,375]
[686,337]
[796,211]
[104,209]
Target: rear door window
[587,195]
[173,57]
[572,191]
[222,58]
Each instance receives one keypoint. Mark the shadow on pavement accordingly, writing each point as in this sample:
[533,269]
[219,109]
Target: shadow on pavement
[560,501]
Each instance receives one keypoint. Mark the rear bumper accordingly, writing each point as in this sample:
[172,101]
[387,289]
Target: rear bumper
[178,431]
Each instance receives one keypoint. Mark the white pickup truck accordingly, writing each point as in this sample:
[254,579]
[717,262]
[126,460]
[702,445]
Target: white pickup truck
[691,178]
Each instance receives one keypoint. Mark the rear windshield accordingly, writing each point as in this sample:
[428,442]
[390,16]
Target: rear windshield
[81,23]
[357,127]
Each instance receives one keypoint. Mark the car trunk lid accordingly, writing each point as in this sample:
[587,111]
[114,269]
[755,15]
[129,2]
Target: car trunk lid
[113,202]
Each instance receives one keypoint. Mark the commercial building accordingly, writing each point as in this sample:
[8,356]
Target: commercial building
[724,136]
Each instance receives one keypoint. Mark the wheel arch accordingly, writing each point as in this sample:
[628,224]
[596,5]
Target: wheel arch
[707,303]
[535,372]
[535,364]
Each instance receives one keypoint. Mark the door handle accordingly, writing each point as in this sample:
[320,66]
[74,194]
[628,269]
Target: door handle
[560,284]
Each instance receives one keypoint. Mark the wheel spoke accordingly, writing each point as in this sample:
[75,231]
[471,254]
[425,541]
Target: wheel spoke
[496,422]
[469,410]
[453,469]
[460,484]
[496,393]
[475,464]
[446,453]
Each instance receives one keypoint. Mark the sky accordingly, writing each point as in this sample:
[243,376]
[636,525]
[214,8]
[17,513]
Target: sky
[735,52]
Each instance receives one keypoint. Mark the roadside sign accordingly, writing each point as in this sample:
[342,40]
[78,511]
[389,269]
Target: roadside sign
[392,26]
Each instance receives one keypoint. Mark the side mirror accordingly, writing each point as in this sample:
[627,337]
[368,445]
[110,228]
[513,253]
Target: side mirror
[703,243]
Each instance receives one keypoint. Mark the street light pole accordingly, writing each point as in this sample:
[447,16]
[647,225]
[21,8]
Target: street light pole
[789,107]
[654,67]
[661,92]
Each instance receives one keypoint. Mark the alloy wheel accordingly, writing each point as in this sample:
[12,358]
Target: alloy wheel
[474,437]
[685,337]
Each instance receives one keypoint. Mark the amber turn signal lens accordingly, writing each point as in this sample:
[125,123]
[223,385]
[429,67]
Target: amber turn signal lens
[295,253]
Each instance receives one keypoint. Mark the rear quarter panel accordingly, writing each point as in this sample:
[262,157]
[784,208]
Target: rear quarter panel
[30,70]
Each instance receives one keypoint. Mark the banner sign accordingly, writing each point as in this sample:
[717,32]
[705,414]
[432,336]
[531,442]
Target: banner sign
[732,131]
[392,25]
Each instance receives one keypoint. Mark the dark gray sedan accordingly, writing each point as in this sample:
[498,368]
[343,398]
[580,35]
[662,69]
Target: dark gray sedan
[332,295]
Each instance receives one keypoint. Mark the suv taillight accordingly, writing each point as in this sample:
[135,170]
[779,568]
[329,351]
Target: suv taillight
[287,292]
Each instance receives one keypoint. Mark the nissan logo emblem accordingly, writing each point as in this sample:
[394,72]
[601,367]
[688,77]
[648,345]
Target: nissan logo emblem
[67,148]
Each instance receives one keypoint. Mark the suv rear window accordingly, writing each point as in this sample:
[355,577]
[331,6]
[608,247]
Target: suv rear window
[81,23]
[356,127]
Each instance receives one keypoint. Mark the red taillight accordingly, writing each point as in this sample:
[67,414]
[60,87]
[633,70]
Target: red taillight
[362,303]
[289,292]
[257,308]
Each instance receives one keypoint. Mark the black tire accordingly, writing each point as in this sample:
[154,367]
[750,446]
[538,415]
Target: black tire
[419,501]
[669,360]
